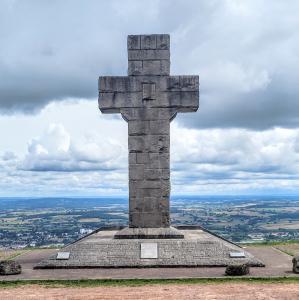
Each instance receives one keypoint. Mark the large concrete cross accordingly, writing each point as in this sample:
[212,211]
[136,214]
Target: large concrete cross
[148,99]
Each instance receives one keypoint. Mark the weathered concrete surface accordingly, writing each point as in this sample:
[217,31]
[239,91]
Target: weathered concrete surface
[148,99]
[149,233]
[198,248]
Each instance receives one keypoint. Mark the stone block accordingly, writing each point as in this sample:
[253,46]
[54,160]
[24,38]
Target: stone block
[136,143]
[10,267]
[189,83]
[135,67]
[119,100]
[142,158]
[183,83]
[295,262]
[135,219]
[133,205]
[159,127]
[133,42]
[173,83]
[165,219]
[165,190]
[160,81]
[118,84]
[136,172]
[148,54]
[153,174]
[163,41]
[150,204]
[237,270]
[148,192]
[165,173]
[165,67]
[183,101]
[106,102]
[155,67]
[151,67]
[136,183]
[179,100]
[151,220]
[141,189]
[148,91]
[149,188]
[148,41]
[132,158]
[164,204]
[138,127]
[152,184]
[157,143]
[158,160]
[149,114]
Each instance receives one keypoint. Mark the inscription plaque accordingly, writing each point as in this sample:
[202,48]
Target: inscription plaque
[148,250]
[63,255]
[236,254]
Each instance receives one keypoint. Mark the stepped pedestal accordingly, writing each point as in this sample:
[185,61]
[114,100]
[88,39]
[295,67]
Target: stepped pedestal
[101,249]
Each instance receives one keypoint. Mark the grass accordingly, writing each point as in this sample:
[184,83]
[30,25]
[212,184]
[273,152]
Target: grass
[143,282]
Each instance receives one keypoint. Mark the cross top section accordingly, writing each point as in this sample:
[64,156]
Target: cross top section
[148,54]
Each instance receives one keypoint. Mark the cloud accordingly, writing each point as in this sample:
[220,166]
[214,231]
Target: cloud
[234,157]
[246,54]
[55,152]
[209,161]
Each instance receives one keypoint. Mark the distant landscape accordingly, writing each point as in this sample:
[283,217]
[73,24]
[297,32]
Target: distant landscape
[54,222]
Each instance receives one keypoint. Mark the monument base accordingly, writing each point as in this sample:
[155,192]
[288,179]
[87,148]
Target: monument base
[149,233]
[198,248]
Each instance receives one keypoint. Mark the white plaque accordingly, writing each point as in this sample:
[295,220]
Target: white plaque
[236,254]
[148,250]
[63,255]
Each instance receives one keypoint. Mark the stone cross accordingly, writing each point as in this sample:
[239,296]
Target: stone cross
[148,99]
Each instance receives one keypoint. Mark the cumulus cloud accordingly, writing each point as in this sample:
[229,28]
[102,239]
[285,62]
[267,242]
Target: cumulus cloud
[236,158]
[54,151]
[245,52]
[209,161]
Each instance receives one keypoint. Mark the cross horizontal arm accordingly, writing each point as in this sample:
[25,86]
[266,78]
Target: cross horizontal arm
[183,93]
[180,92]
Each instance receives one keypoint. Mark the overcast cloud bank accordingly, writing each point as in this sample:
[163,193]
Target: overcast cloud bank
[246,53]
[214,161]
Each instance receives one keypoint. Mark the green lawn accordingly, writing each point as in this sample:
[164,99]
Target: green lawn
[142,282]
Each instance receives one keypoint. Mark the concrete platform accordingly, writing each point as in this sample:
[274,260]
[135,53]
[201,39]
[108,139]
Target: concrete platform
[198,248]
[278,264]
[149,233]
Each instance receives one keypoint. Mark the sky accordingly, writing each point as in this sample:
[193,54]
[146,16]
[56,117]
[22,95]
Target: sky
[244,139]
